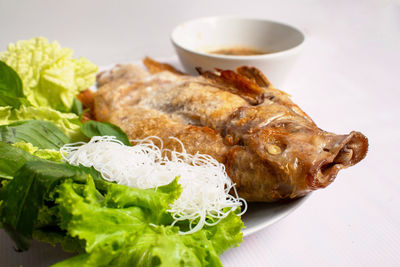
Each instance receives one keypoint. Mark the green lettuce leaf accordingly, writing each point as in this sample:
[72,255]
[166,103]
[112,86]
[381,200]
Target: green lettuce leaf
[49,74]
[97,128]
[47,154]
[42,134]
[69,123]
[55,236]
[46,229]
[130,227]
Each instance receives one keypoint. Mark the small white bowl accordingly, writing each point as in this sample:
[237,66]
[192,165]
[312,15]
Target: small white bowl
[193,40]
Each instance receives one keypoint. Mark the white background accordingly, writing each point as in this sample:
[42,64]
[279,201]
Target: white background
[347,78]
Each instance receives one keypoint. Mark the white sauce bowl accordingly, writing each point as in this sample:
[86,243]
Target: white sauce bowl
[194,39]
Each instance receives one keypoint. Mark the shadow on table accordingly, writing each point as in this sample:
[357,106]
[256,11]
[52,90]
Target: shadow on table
[38,255]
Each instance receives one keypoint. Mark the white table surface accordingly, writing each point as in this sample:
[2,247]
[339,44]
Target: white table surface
[347,78]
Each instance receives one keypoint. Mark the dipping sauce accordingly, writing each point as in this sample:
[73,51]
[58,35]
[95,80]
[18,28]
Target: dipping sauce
[237,51]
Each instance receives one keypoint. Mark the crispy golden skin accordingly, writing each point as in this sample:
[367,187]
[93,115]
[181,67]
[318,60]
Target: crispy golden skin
[271,149]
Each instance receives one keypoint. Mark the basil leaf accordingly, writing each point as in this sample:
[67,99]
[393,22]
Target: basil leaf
[11,93]
[42,134]
[33,183]
[12,159]
[14,102]
[24,196]
[77,107]
[10,82]
[96,128]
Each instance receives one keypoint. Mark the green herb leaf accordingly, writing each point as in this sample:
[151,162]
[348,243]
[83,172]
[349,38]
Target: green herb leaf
[96,128]
[14,102]
[10,82]
[12,159]
[11,93]
[41,134]
[76,107]
[24,195]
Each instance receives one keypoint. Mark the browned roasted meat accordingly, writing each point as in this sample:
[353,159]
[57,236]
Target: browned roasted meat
[271,149]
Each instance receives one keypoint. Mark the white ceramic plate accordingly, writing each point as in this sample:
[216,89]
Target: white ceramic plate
[261,215]
[257,217]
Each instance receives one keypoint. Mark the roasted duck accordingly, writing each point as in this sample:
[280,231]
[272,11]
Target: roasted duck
[271,149]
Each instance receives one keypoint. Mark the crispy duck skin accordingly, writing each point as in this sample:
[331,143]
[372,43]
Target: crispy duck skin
[271,149]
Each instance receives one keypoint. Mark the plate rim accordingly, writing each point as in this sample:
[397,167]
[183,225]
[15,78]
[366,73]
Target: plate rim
[251,230]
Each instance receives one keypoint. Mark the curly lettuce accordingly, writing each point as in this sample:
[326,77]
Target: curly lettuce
[48,154]
[131,227]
